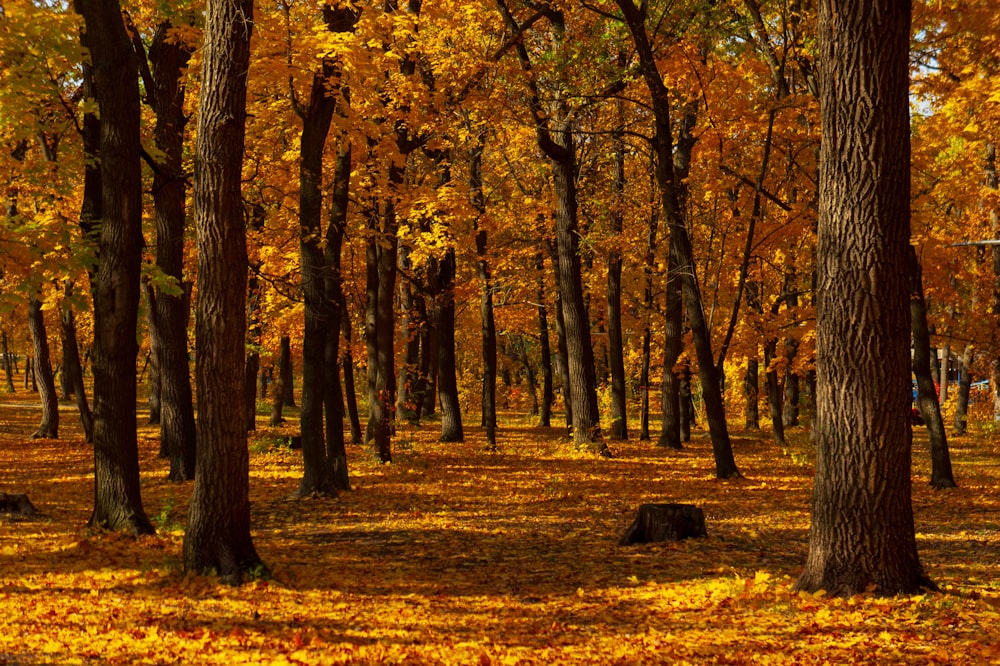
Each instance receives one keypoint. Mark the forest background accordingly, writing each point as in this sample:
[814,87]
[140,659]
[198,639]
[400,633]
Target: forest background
[405,164]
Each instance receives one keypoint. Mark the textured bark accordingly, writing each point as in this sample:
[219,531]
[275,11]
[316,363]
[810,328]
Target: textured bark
[217,537]
[169,58]
[927,399]
[862,534]
[49,426]
[115,198]
[408,399]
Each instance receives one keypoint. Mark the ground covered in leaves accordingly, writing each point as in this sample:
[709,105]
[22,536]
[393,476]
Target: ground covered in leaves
[453,555]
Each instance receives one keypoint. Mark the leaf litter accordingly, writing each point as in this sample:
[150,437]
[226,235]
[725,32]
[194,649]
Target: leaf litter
[454,555]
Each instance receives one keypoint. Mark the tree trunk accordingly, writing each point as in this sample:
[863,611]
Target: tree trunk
[686,410]
[562,364]
[674,425]
[862,535]
[336,451]
[289,384]
[545,348]
[278,385]
[927,399]
[489,330]
[671,188]
[169,58]
[964,384]
[49,427]
[153,362]
[74,370]
[347,366]
[429,342]
[616,353]
[774,393]
[218,530]
[114,198]
[751,389]
[316,120]
[7,365]
[451,414]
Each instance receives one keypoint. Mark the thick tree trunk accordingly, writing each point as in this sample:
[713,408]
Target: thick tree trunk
[927,399]
[647,336]
[408,400]
[964,385]
[451,413]
[49,427]
[862,535]
[74,369]
[218,529]
[686,411]
[113,196]
[429,342]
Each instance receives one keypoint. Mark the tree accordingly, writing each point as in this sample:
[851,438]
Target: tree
[930,408]
[671,170]
[218,530]
[170,311]
[862,535]
[113,215]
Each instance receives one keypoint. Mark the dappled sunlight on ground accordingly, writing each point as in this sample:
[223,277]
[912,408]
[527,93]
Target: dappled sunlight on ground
[452,554]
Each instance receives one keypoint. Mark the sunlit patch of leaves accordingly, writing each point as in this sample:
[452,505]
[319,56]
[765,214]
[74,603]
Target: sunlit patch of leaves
[454,555]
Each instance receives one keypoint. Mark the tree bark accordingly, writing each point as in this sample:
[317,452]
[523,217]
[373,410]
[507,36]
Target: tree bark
[489,330]
[451,411]
[964,385]
[322,416]
[116,201]
[218,530]
[670,170]
[74,369]
[49,427]
[545,347]
[278,386]
[927,399]
[862,535]
[7,364]
[616,354]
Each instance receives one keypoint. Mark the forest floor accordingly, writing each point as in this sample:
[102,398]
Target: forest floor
[453,555]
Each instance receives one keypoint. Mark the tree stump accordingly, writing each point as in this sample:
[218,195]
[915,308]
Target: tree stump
[665,522]
[17,505]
